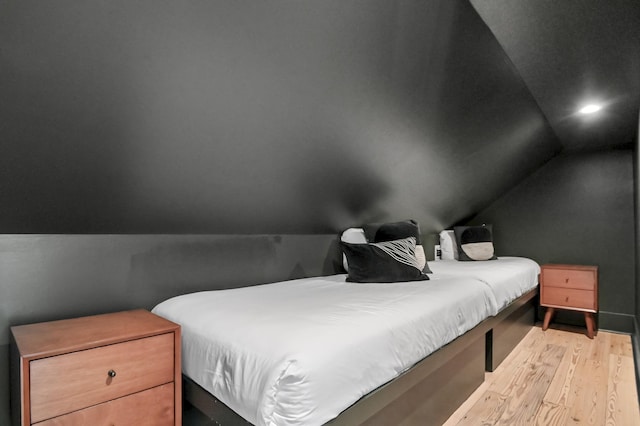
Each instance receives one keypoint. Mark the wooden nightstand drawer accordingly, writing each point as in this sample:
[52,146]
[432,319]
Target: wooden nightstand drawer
[570,278]
[76,380]
[153,407]
[568,298]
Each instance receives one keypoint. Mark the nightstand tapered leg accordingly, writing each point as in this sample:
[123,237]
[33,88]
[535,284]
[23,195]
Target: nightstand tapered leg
[588,318]
[547,318]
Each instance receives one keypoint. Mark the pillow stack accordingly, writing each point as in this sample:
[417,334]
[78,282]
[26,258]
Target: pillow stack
[384,252]
[467,243]
[475,242]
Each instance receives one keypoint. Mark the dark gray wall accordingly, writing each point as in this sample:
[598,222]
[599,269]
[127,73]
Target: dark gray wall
[579,208]
[270,117]
[282,118]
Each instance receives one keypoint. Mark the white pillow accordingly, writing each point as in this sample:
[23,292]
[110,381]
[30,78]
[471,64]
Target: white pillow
[448,245]
[353,236]
[420,257]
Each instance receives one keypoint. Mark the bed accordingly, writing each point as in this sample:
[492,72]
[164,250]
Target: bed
[324,350]
[300,352]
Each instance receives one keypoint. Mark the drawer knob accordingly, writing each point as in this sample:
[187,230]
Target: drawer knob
[112,373]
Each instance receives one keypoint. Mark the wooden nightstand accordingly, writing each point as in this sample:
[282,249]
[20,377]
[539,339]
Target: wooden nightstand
[121,368]
[573,287]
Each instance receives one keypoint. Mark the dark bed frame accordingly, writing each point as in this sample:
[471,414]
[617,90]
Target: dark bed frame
[430,391]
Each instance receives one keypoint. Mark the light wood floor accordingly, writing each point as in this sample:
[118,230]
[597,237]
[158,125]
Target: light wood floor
[558,377]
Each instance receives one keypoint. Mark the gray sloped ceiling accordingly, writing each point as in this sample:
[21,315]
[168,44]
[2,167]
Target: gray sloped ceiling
[256,117]
[573,52]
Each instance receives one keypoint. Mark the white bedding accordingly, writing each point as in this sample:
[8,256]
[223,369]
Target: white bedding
[300,352]
[508,277]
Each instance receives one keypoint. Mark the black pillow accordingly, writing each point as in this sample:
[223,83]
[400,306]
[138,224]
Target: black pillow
[385,262]
[379,232]
[475,242]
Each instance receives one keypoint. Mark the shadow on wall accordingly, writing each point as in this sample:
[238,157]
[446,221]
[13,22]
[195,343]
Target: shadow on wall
[348,191]
[185,267]
[222,262]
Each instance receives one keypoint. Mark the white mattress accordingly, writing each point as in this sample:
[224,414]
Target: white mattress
[507,277]
[300,352]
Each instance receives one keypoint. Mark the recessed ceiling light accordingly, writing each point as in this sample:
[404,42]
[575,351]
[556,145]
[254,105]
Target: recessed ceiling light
[590,109]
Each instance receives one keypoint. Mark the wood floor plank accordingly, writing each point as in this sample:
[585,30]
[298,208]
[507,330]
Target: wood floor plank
[558,392]
[620,344]
[559,337]
[600,348]
[508,378]
[551,415]
[486,411]
[587,402]
[534,339]
[589,394]
[527,390]
[621,396]
[594,378]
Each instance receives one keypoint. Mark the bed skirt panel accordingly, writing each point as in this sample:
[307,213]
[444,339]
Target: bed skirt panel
[508,329]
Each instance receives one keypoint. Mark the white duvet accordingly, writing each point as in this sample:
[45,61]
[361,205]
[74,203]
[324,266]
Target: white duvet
[300,352]
[507,277]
